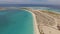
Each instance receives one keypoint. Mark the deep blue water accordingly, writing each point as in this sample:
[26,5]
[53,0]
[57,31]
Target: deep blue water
[16,22]
[30,5]
[50,7]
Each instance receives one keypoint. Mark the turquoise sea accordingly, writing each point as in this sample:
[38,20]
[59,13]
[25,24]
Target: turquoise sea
[16,22]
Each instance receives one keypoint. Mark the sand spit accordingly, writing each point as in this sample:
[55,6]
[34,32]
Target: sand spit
[48,22]
[1,8]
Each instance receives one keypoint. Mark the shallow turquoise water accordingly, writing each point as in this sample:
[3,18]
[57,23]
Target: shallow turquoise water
[16,22]
[47,8]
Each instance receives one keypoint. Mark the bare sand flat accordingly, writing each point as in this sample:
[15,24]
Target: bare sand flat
[50,20]
[46,22]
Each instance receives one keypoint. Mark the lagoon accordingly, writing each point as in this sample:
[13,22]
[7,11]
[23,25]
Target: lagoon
[16,22]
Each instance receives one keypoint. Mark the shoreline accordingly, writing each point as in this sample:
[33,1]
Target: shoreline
[36,31]
[35,23]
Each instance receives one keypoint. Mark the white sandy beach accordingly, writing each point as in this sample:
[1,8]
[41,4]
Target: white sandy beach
[36,31]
